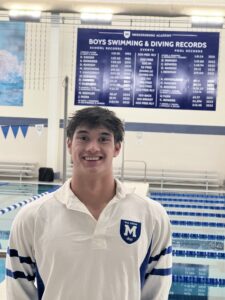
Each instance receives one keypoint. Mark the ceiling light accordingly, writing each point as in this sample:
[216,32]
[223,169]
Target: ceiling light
[96,18]
[215,22]
[24,15]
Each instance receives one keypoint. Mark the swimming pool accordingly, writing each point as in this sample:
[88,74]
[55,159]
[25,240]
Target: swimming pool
[12,197]
[198,226]
[198,239]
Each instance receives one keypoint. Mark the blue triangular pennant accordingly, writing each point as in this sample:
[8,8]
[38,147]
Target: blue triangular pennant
[15,129]
[24,129]
[5,130]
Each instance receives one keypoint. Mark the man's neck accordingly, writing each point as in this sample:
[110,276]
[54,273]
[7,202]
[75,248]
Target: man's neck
[94,193]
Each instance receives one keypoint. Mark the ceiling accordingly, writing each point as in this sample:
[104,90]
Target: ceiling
[126,7]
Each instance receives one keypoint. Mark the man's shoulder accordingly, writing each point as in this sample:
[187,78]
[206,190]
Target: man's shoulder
[31,209]
[151,206]
[143,199]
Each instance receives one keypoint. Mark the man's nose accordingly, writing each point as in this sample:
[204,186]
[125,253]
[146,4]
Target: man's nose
[93,146]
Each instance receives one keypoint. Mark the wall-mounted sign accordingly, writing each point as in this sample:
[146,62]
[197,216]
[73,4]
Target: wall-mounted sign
[150,69]
[12,37]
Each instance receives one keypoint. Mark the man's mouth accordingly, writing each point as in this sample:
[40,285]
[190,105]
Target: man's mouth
[92,158]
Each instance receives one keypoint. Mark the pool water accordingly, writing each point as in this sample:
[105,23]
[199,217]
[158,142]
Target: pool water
[2,269]
[198,240]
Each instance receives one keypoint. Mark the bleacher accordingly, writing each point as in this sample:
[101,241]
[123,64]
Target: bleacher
[20,170]
[169,178]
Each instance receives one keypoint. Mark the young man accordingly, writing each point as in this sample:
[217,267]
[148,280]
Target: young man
[91,239]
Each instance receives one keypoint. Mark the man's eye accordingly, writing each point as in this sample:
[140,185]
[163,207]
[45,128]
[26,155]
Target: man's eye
[104,139]
[82,138]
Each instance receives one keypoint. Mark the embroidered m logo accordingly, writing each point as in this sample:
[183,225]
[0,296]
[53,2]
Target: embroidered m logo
[130,231]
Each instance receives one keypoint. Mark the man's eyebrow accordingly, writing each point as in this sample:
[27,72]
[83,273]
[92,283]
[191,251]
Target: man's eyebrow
[81,131]
[106,133]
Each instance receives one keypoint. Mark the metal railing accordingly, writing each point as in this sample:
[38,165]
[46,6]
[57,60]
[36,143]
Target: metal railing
[135,161]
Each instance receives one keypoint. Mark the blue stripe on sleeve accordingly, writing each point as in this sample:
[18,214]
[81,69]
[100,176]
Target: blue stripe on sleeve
[163,252]
[19,274]
[22,259]
[40,284]
[144,265]
[160,272]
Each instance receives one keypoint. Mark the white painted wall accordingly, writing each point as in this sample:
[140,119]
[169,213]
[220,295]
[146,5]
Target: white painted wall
[177,151]
[32,149]
[159,150]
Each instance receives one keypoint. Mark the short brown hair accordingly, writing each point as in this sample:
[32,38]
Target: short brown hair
[96,116]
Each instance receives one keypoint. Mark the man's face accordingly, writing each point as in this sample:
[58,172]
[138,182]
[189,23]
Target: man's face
[92,150]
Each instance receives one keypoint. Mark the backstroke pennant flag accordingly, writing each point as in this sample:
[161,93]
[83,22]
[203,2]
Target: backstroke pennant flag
[15,129]
[39,128]
[5,130]
[24,129]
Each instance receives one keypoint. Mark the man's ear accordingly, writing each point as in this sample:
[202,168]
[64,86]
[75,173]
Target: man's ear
[69,145]
[117,149]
